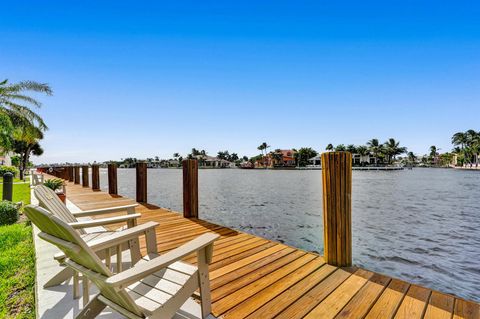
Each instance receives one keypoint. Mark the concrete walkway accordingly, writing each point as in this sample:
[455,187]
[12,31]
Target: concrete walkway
[58,302]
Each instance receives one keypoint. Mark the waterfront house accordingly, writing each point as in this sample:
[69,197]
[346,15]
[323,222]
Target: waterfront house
[207,161]
[278,158]
[358,159]
[154,164]
[315,162]
[247,165]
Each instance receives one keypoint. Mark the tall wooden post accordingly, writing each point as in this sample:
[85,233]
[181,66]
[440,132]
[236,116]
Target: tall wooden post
[77,174]
[112,179]
[65,172]
[70,174]
[190,188]
[85,175]
[142,182]
[337,208]
[95,177]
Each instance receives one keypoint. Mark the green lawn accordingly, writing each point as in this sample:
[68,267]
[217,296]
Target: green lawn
[17,272]
[17,264]
[21,193]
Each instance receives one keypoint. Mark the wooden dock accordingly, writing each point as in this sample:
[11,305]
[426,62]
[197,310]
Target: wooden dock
[252,277]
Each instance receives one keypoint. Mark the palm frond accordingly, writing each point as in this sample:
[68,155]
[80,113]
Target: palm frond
[29,115]
[23,98]
[29,86]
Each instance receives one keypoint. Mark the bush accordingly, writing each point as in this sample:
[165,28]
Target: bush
[54,183]
[12,169]
[8,213]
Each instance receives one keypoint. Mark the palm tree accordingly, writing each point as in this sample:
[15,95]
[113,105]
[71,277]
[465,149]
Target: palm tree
[329,147]
[459,138]
[6,131]
[392,149]
[375,148]
[304,154]
[17,105]
[433,151]
[234,157]
[362,150]
[340,148]
[468,142]
[411,158]
[278,157]
[351,148]
[25,142]
[263,147]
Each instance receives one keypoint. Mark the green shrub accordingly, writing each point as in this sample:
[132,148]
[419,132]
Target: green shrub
[12,169]
[8,213]
[54,183]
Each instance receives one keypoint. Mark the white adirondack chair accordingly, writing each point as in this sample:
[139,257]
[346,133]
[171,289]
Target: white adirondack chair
[50,201]
[155,287]
[37,179]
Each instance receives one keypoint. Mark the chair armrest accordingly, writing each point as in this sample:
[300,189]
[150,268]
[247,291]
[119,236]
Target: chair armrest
[104,221]
[121,236]
[139,271]
[116,238]
[129,208]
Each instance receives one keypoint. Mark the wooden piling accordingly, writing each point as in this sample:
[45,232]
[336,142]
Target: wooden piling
[337,208]
[190,188]
[95,177]
[112,179]
[141,182]
[85,175]
[77,174]
[65,172]
[71,176]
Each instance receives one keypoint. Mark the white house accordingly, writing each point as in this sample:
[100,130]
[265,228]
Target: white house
[210,161]
[360,159]
[357,159]
[315,162]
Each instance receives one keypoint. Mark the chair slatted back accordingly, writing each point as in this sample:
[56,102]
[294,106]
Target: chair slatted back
[62,235]
[49,200]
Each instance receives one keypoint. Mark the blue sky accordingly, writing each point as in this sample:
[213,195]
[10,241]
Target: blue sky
[147,78]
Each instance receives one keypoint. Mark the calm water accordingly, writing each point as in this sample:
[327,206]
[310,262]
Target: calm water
[421,225]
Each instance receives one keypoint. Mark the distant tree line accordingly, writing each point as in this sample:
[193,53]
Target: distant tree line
[383,153]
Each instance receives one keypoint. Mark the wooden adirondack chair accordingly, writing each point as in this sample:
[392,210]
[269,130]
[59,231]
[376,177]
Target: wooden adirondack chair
[50,201]
[155,287]
[36,178]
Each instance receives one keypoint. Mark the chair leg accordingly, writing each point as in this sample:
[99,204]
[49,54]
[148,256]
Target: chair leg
[86,290]
[204,281]
[76,285]
[92,309]
[59,278]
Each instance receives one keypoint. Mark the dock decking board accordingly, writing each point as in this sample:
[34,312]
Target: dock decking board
[252,277]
